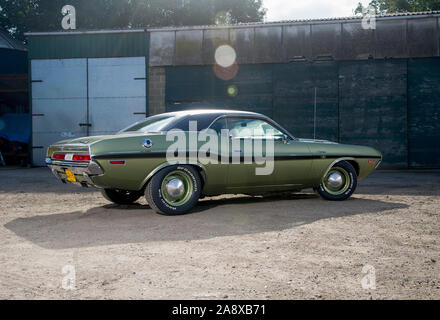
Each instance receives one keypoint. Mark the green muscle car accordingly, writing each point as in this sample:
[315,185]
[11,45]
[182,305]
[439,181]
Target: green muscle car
[175,158]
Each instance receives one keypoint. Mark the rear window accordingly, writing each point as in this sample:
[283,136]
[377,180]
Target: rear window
[203,121]
[151,124]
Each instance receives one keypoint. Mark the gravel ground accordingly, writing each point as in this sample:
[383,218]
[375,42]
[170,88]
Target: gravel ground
[291,246]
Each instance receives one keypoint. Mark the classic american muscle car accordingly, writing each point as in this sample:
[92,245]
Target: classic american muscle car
[136,161]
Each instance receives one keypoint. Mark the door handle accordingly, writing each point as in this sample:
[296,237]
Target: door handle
[85,124]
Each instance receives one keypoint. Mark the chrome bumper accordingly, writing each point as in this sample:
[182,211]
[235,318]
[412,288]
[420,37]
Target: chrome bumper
[84,171]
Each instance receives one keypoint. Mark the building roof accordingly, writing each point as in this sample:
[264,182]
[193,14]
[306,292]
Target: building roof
[420,14]
[7,42]
[243,25]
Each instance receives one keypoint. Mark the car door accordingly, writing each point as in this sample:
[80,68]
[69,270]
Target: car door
[284,162]
[247,163]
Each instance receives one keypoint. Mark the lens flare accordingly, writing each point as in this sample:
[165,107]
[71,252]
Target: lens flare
[226,73]
[232,90]
[225,56]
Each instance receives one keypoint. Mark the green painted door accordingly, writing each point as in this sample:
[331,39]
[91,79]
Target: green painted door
[200,87]
[373,107]
[306,99]
[424,112]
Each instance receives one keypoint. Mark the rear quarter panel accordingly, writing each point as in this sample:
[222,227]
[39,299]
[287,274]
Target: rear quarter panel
[139,161]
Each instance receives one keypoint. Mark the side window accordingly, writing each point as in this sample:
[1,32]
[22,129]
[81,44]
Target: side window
[219,125]
[252,128]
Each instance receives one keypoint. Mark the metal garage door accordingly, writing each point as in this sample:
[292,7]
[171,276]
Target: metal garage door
[199,87]
[372,98]
[295,86]
[59,102]
[424,112]
[80,97]
[117,93]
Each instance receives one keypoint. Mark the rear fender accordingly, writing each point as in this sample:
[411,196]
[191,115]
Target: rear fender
[199,167]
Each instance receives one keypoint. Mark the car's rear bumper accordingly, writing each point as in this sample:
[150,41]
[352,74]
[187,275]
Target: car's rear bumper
[83,171]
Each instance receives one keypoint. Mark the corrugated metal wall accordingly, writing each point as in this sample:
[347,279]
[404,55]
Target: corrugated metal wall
[392,105]
[373,107]
[424,112]
[88,45]
[295,86]
[198,87]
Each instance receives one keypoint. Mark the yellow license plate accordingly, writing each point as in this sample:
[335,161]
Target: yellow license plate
[70,175]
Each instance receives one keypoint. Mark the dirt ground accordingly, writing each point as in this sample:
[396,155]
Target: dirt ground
[293,246]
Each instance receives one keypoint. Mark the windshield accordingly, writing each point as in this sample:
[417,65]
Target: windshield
[151,124]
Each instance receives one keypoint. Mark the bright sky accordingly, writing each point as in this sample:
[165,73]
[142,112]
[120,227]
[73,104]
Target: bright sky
[309,9]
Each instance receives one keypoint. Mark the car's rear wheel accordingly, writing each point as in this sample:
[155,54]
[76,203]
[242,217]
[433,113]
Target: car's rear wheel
[339,183]
[121,196]
[174,190]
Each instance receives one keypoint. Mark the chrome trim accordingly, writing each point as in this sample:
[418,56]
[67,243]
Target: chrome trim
[91,168]
[75,170]
[270,186]
[147,143]
[378,164]
[75,164]
[88,179]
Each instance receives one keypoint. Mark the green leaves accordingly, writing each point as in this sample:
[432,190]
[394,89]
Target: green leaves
[19,16]
[393,6]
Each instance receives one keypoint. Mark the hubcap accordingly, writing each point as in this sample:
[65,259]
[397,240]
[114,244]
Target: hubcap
[335,180]
[175,188]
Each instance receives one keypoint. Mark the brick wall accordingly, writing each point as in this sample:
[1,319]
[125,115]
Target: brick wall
[156,93]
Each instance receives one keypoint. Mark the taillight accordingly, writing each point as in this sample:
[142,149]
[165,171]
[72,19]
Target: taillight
[71,157]
[58,156]
[81,157]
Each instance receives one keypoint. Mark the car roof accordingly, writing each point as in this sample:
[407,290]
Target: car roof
[216,112]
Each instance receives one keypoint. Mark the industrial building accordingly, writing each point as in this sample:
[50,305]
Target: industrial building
[329,79]
[14,102]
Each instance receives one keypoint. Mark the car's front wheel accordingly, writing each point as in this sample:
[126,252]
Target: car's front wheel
[121,196]
[339,183]
[174,190]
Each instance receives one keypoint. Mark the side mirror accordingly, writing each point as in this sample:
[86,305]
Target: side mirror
[286,139]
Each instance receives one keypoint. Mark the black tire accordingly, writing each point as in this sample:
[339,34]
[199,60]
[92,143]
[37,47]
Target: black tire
[349,185]
[121,196]
[157,198]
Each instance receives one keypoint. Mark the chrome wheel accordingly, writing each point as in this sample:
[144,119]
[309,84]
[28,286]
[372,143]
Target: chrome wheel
[337,181]
[177,188]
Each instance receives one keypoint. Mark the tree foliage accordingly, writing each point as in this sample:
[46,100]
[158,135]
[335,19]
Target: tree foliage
[19,16]
[393,6]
